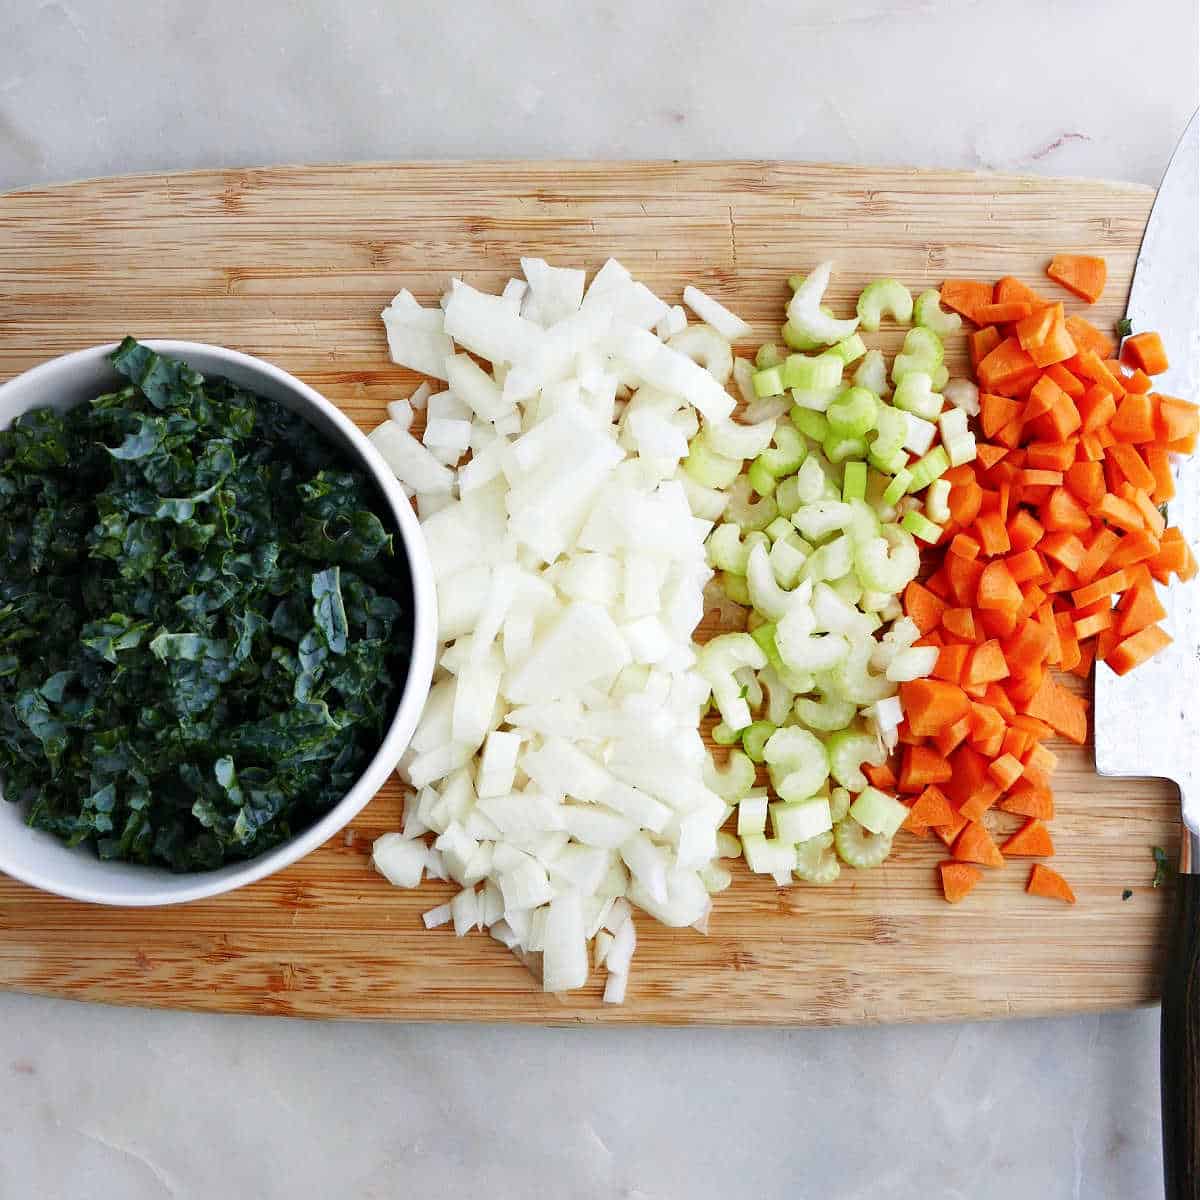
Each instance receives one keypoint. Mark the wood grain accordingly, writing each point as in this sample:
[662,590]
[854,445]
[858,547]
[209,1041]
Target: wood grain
[294,264]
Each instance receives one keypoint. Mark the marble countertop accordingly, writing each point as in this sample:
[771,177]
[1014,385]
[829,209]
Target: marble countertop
[112,1104]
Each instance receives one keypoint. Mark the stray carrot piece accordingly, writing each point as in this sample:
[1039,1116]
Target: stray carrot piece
[923,606]
[1062,710]
[931,808]
[981,343]
[1068,642]
[1090,626]
[1156,523]
[949,833]
[881,777]
[929,704]
[1058,346]
[1028,647]
[958,879]
[1048,883]
[1145,351]
[1134,421]
[1085,481]
[1087,656]
[1016,742]
[966,296]
[1135,650]
[1012,289]
[1026,800]
[1005,770]
[1081,274]
[1091,366]
[1032,840]
[975,845]
[1173,558]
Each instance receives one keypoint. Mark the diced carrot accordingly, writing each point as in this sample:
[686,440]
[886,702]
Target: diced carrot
[1098,589]
[963,575]
[996,411]
[1087,656]
[1131,465]
[1062,580]
[1118,512]
[1073,386]
[1028,647]
[1068,642]
[1139,607]
[1064,548]
[1039,478]
[1048,883]
[1173,558]
[1087,337]
[1062,710]
[881,777]
[958,879]
[1024,530]
[992,534]
[997,589]
[1016,742]
[1028,801]
[964,545]
[1058,346]
[1034,329]
[1004,312]
[1096,407]
[1177,421]
[1159,462]
[939,584]
[1026,565]
[1184,445]
[1104,542]
[951,662]
[981,343]
[1051,456]
[950,737]
[1092,624]
[1010,434]
[1007,370]
[1005,770]
[986,664]
[1133,651]
[1085,481]
[1032,840]
[1134,421]
[1043,396]
[1145,351]
[929,704]
[949,833]
[921,766]
[988,454]
[1155,522]
[931,808]
[1081,274]
[1091,448]
[964,503]
[923,607]
[960,622]
[987,793]
[966,296]
[1062,512]
[1009,288]
[975,845]
[1091,366]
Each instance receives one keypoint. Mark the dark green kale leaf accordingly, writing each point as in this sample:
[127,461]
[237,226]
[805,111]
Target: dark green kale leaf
[202,622]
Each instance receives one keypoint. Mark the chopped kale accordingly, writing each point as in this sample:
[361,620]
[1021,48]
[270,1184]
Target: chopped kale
[1161,866]
[1124,327]
[1127,894]
[203,623]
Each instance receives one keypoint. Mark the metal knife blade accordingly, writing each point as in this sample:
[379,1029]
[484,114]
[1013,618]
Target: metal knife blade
[1146,722]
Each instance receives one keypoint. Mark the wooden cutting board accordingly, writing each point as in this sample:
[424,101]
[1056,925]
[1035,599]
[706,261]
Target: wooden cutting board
[294,264]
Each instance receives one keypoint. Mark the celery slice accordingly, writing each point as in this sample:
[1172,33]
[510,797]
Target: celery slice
[734,587]
[858,847]
[726,549]
[799,820]
[751,516]
[816,861]
[830,561]
[839,804]
[927,311]
[761,480]
[884,295]
[848,750]
[813,373]
[898,486]
[928,468]
[732,781]
[768,382]
[722,735]
[853,413]
[788,556]
[922,351]
[754,738]
[787,496]
[751,818]
[708,468]
[854,481]
[872,373]
[811,423]
[769,355]
[888,563]
[939,376]
[797,761]
[827,715]
[785,454]
[839,449]
[921,527]
[779,528]
[850,350]
[877,812]
[820,518]
[915,394]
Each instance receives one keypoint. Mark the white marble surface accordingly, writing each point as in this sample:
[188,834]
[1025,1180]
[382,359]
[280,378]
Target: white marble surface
[109,1104]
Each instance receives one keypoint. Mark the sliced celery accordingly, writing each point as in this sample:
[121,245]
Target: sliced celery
[915,394]
[799,820]
[853,413]
[723,735]
[795,280]
[780,527]
[769,355]
[921,527]
[708,468]
[838,449]
[878,812]
[884,295]
[858,847]
[888,563]
[897,487]
[810,423]
[820,518]
[848,750]
[816,861]
[734,587]
[768,382]
[872,373]
[927,311]
[839,803]
[764,635]
[854,481]
[796,340]
[813,373]
[939,376]
[788,556]
[922,351]
[961,449]
[749,515]
[850,350]
[830,561]
[732,781]
[727,551]
[925,470]
[797,761]
[761,480]
[751,818]
[786,453]
[716,663]
[754,738]
[787,496]
[827,714]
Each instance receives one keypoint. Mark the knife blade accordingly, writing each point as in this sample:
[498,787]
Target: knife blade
[1145,722]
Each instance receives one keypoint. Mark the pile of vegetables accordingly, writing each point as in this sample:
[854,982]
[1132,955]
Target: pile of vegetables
[202,624]
[558,771]
[820,539]
[1056,540]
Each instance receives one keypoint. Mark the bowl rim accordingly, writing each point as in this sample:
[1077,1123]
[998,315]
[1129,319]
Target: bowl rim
[187,886]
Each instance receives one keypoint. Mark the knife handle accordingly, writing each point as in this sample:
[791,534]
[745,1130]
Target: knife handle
[1181,1044]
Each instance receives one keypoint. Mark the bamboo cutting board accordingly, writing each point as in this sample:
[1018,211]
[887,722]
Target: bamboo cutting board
[294,264]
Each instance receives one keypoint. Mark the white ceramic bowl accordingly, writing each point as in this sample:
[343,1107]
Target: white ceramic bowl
[39,858]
